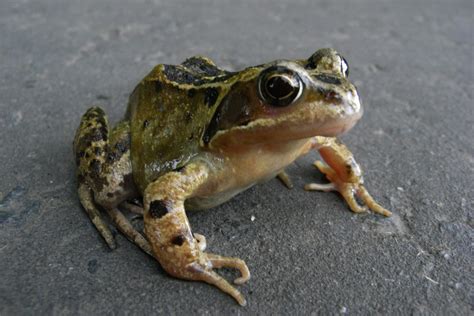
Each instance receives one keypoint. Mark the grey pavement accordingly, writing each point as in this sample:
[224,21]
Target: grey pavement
[413,64]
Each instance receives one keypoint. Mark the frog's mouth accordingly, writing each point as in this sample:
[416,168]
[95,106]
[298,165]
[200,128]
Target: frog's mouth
[338,127]
[271,131]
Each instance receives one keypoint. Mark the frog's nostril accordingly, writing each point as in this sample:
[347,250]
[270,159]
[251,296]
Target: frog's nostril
[330,96]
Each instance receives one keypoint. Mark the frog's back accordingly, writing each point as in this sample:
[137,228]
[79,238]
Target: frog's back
[169,112]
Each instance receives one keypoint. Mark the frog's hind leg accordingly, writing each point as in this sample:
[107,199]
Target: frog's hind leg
[105,174]
[124,225]
[87,201]
[132,208]
[89,146]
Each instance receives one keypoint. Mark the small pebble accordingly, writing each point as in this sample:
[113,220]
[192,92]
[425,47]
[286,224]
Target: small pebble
[445,254]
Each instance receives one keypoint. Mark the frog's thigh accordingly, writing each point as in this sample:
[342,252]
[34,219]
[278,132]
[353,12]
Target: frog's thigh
[104,174]
[168,230]
[89,149]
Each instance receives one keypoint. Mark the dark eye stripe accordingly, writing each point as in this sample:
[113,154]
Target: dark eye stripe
[328,79]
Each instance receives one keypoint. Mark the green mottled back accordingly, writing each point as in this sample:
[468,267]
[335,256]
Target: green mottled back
[169,112]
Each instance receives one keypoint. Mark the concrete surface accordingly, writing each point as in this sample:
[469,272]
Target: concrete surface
[412,62]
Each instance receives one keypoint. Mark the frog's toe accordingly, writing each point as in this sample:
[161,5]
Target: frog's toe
[211,277]
[321,166]
[124,225]
[370,202]
[201,240]
[87,201]
[203,270]
[229,262]
[130,207]
[347,193]
[326,187]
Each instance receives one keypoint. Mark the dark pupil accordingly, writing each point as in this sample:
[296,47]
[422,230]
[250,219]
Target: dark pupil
[279,87]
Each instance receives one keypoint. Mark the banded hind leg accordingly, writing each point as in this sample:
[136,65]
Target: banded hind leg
[104,174]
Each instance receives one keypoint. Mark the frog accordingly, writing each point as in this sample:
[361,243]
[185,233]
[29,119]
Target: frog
[195,135]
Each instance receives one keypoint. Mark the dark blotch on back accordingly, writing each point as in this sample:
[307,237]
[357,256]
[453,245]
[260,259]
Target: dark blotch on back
[178,75]
[210,96]
[195,76]
[158,209]
[202,66]
[328,79]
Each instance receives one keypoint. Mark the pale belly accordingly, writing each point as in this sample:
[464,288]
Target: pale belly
[240,171]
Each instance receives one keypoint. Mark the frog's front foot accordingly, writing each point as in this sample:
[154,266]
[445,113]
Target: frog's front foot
[348,190]
[202,269]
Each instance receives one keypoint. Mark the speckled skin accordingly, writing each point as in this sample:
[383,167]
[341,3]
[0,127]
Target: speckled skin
[195,135]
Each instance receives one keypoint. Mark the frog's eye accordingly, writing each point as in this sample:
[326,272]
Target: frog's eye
[344,67]
[279,86]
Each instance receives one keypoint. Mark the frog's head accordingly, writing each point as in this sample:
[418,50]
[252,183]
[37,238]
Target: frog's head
[288,100]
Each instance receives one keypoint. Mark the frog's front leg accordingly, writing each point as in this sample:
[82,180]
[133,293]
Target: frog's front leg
[345,175]
[167,228]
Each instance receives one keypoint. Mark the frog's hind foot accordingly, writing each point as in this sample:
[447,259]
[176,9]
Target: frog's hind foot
[122,223]
[105,176]
[132,208]
[87,201]
[126,228]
